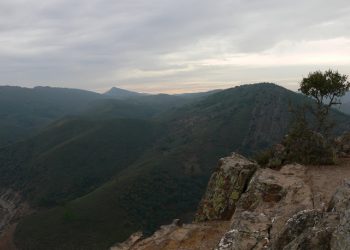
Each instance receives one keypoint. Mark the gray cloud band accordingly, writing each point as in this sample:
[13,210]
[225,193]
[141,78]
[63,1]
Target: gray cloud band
[96,44]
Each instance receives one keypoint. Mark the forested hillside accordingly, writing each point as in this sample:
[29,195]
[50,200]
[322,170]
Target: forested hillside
[164,179]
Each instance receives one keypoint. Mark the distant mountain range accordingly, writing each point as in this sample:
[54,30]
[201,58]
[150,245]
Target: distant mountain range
[24,111]
[109,167]
[123,94]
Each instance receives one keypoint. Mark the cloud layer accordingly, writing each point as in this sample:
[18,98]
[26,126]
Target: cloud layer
[170,46]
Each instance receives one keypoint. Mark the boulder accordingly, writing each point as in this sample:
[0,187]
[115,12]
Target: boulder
[225,187]
[340,204]
[271,199]
[250,208]
[307,230]
[251,231]
[319,230]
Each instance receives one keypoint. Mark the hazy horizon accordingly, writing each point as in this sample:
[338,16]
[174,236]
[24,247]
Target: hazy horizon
[175,92]
[163,46]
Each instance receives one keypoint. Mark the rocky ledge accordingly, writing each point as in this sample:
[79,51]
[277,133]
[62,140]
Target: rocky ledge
[249,207]
[11,207]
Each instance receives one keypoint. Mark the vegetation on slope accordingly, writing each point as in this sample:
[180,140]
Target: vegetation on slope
[168,179]
[72,157]
[24,111]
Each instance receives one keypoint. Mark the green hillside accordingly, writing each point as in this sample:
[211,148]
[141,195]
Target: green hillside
[163,180]
[72,157]
[23,111]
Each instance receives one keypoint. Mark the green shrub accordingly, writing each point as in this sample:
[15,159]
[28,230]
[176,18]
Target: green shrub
[263,157]
[305,146]
[302,145]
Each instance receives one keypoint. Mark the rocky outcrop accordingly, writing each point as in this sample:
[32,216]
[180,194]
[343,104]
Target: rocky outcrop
[129,243]
[177,236]
[308,229]
[278,212]
[271,199]
[225,187]
[276,209]
[11,207]
[315,229]
[340,204]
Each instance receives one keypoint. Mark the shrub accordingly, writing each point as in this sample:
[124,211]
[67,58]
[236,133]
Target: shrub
[263,157]
[302,145]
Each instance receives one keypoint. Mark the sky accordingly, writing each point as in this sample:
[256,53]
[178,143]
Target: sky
[170,46]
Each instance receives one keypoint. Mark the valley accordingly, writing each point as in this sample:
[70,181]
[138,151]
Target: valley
[174,125]
[125,165]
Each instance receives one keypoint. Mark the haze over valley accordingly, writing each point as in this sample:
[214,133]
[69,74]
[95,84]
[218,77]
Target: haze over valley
[152,125]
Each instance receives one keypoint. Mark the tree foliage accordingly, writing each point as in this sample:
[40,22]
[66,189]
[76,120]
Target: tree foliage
[307,141]
[305,146]
[301,145]
[326,88]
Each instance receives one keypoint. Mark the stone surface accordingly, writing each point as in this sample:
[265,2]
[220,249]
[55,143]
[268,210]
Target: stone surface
[294,208]
[129,243]
[12,208]
[317,229]
[225,188]
[308,229]
[340,204]
[251,231]
[272,198]
[200,236]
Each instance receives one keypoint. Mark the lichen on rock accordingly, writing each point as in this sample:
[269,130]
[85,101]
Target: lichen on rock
[225,187]
[272,197]
[319,230]
[247,207]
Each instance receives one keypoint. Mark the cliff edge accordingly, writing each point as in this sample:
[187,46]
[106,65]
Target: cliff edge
[248,207]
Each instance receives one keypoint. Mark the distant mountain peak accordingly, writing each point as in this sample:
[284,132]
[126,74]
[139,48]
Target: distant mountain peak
[119,93]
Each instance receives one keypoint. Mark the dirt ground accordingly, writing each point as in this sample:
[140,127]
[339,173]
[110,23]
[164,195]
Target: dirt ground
[324,180]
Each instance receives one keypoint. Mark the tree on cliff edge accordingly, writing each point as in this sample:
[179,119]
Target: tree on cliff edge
[304,143]
[325,88]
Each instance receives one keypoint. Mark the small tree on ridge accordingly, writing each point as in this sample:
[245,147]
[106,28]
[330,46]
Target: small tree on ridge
[325,88]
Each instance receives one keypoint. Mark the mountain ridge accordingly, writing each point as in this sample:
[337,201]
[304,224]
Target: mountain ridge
[119,93]
[25,111]
[168,179]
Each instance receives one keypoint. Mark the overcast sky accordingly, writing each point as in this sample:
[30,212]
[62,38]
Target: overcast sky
[170,45]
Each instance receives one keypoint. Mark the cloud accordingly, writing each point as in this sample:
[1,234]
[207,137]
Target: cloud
[165,45]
